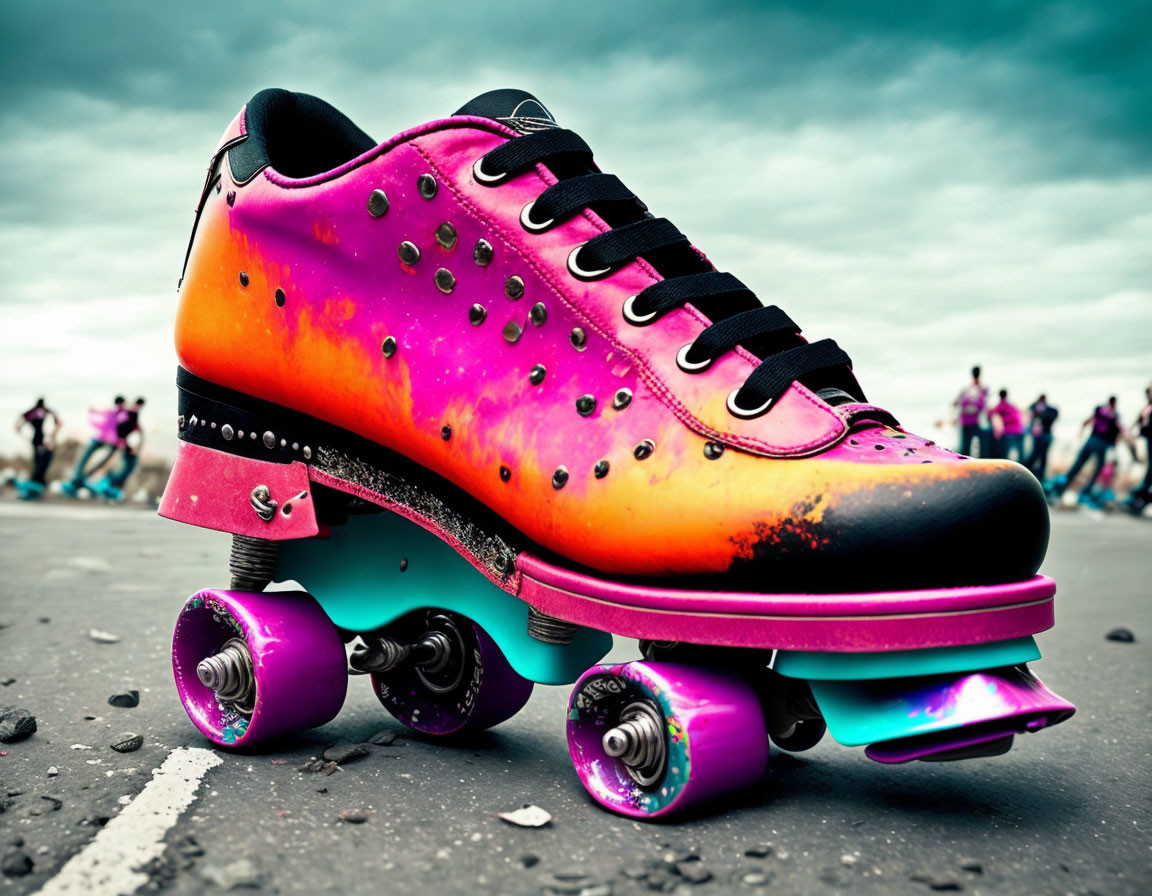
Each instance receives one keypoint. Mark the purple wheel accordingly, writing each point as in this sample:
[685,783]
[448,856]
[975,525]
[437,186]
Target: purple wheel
[251,666]
[450,680]
[650,739]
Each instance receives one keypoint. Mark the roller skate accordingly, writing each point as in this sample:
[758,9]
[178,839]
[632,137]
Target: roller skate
[487,409]
[29,489]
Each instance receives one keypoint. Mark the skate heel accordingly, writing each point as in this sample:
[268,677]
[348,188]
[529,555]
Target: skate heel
[241,495]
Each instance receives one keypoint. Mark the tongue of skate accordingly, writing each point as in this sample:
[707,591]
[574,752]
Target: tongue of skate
[516,108]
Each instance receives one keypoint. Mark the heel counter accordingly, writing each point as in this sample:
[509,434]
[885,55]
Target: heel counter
[209,227]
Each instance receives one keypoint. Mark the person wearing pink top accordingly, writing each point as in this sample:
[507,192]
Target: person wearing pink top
[1011,426]
[970,405]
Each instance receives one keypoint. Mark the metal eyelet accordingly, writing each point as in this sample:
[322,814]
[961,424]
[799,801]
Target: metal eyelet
[488,180]
[531,226]
[578,272]
[637,320]
[743,413]
[687,366]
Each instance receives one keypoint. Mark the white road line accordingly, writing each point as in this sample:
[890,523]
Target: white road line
[106,866]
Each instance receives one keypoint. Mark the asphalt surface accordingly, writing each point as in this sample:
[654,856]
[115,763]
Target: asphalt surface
[1067,811]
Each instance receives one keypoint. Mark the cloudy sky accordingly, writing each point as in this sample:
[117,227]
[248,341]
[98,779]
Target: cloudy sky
[931,184]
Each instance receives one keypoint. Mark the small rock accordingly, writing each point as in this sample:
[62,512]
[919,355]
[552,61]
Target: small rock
[848,859]
[130,744]
[528,860]
[56,804]
[341,753]
[383,738]
[694,872]
[127,700]
[241,874]
[975,866]
[80,747]
[1123,635]
[756,879]
[44,620]
[15,724]
[16,863]
[762,851]
[354,816]
[573,882]
[321,789]
[527,817]
[939,884]
[319,765]
[8,681]
[103,637]
[190,848]
[53,771]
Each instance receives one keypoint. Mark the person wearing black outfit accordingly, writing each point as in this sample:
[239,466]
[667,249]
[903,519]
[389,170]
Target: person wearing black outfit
[43,446]
[1105,423]
[1142,496]
[1043,416]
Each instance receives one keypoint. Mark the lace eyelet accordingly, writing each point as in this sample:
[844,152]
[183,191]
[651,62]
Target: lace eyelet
[578,272]
[744,413]
[637,320]
[687,366]
[531,226]
[488,180]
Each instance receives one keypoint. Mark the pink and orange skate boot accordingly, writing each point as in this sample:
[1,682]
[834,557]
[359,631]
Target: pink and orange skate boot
[487,409]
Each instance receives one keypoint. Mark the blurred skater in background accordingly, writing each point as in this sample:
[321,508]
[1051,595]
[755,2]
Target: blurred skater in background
[1043,416]
[1105,430]
[43,447]
[1008,429]
[1141,496]
[129,441]
[101,447]
[970,403]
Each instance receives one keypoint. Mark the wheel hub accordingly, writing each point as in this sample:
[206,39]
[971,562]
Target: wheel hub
[638,742]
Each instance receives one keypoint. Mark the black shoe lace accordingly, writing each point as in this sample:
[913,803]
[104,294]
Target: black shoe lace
[738,318]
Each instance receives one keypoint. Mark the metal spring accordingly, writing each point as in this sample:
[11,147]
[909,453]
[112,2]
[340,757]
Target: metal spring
[252,562]
[229,674]
[638,742]
[549,629]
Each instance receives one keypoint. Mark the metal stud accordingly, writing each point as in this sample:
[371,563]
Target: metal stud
[476,314]
[409,253]
[252,435]
[446,235]
[585,405]
[243,279]
[513,331]
[644,449]
[377,203]
[307,453]
[482,254]
[713,450]
[227,432]
[388,346]
[193,420]
[181,422]
[445,432]
[622,399]
[445,282]
[514,287]
[601,469]
[239,433]
[538,314]
[537,374]
[578,338]
[560,478]
[213,424]
[280,297]
[231,197]
[269,440]
[505,474]
[427,186]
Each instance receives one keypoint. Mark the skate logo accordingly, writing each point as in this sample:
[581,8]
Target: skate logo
[529,115]
[597,689]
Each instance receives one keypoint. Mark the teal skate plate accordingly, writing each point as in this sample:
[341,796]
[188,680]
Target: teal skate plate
[356,577]
[815,666]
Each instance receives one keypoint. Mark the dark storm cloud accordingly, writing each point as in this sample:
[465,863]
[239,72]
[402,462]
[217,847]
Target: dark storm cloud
[932,184]
[1075,76]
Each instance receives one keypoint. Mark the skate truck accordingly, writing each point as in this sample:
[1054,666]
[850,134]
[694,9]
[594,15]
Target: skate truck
[468,409]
